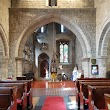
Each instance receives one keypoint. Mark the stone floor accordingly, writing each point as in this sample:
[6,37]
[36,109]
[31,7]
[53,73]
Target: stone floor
[66,89]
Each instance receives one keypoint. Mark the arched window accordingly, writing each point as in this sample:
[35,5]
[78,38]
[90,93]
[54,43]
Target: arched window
[62,28]
[64,49]
[52,2]
[42,29]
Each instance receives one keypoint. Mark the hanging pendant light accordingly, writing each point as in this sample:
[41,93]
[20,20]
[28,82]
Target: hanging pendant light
[53,61]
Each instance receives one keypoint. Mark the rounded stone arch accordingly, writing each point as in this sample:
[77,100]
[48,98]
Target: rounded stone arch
[103,46]
[104,40]
[4,41]
[58,19]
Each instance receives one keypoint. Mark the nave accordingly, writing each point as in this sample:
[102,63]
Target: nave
[82,94]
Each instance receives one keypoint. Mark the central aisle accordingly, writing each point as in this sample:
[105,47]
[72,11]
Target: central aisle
[63,91]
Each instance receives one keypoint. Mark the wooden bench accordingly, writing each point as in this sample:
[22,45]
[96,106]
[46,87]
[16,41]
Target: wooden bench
[78,86]
[29,91]
[107,101]
[96,97]
[21,94]
[84,102]
[21,78]
[8,98]
[86,80]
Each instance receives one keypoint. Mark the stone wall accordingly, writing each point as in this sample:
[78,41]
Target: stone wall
[60,4]
[78,52]
[4,36]
[2,75]
[4,15]
[75,3]
[108,60]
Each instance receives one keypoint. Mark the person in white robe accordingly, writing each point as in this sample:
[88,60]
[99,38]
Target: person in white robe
[75,74]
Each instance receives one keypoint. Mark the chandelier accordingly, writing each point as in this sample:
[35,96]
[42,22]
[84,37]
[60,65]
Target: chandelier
[44,46]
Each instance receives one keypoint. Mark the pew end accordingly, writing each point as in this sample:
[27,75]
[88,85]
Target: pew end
[107,101]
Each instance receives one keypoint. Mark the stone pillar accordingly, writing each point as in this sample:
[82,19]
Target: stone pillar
[102,65]
[19,66]
[85,66]
[6,67]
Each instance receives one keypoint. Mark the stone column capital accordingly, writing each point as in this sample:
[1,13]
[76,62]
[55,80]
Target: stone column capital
[19,59]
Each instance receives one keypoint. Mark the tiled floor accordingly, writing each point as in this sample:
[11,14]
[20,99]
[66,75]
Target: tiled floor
[53,91]
[48,84]
[66,89]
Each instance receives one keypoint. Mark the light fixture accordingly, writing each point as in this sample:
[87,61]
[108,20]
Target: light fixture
[44,46]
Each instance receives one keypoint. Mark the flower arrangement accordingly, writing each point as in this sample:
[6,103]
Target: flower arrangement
[53,76]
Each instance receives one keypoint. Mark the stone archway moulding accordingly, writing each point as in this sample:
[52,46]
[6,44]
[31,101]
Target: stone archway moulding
[104,39]
[48,19]
[5,42]
[103,48]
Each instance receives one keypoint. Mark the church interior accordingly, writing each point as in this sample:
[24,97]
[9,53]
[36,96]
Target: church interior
[54,54]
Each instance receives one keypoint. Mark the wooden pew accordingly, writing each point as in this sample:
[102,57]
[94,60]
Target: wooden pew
[107,101]
[29,91]
[21,78]
[84,91]
[85,80]
[21,94]
[8,98]
[78,86]
[96,97]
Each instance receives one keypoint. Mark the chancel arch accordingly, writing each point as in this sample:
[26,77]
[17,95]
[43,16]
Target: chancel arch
[58,19]
[73,27]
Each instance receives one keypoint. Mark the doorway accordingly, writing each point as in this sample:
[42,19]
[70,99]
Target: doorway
[43,65]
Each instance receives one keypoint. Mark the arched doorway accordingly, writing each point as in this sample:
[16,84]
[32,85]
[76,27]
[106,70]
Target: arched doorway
[43,64]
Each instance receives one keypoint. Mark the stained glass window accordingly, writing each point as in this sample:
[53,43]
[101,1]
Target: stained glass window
[63,52]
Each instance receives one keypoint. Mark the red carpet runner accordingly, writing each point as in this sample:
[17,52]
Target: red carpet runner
[54,103]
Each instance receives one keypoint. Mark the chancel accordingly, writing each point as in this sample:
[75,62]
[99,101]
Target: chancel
[42,41]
